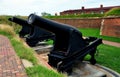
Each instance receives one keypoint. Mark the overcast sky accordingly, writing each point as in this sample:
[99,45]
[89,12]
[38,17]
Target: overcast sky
[25,7]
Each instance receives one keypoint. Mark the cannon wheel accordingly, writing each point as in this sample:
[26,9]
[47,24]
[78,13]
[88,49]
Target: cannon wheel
[59,66]
[61,69]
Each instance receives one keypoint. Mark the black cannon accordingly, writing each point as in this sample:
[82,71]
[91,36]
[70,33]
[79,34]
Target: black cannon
[69,46]
[26,28]
[35,34]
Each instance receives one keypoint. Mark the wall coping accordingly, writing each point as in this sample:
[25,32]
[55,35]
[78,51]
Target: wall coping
[110,17]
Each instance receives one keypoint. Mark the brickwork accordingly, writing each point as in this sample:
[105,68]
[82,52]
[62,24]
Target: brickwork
[111,27]
[82,23]
[10,64]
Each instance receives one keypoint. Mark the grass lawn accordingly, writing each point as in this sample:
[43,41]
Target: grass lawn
[109,56]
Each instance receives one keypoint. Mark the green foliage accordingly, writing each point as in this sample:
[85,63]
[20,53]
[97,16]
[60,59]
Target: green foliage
[113,12]
[96,33]
[45,14]
[40,71]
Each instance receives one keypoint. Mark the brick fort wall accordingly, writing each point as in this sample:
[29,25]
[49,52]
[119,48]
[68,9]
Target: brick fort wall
[82,23]
[109,26]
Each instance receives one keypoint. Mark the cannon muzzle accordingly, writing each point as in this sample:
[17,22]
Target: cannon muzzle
[19,21]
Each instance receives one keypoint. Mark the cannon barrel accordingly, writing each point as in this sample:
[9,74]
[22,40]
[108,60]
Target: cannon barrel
[50,25]
[19,21]
[26,28]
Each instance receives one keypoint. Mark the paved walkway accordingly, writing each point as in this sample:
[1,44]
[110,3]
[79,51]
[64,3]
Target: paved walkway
[10,64]
[111,43]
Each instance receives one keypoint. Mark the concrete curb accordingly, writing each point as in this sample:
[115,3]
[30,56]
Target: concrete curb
[116,74]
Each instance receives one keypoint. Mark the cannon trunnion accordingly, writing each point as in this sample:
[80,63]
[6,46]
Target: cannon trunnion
[69,46]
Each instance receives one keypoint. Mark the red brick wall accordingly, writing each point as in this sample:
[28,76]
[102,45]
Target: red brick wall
[82,23]
[111,27]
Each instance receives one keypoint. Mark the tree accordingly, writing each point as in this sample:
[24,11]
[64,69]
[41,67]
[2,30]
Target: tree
[45,14]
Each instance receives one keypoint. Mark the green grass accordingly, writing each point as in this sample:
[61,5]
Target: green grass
[40,71]
[49,42]
[24,52]
[109,56]
[89,31]
[96,33]
[75,16]
[113,12]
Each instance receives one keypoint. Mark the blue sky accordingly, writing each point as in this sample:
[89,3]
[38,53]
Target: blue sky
[25,7]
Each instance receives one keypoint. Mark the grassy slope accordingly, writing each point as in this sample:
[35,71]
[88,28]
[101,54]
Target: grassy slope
[40,71]
[25,52]
[113,12]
